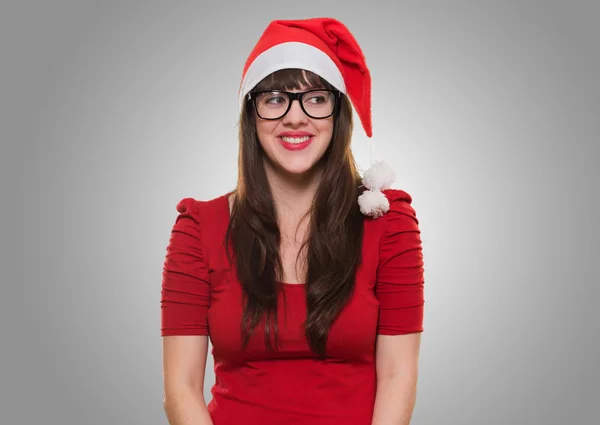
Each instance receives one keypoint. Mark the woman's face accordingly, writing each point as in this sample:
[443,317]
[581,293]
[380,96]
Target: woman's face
[295,142]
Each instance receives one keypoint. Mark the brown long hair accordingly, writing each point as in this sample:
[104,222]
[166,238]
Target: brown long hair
[333,246]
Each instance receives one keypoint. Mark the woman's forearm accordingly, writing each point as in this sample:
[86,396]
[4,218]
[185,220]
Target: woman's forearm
[185,406]
[395,400]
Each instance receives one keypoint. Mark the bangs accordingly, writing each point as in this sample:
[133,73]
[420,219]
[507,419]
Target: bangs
[292,79]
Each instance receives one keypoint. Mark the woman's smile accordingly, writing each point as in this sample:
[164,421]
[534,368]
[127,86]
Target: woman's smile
[295,140]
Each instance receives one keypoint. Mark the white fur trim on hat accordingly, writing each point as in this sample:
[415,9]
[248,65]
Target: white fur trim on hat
[291,55]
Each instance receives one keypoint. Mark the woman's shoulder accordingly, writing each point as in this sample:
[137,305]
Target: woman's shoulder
[401,210]
[398,196]
[198,208]
[195,203]
[399,217]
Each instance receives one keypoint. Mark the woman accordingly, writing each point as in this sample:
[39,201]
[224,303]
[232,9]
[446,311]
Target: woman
[307,278]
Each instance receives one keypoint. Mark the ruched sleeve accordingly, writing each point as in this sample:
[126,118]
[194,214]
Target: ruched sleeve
[185,295]
[400,275]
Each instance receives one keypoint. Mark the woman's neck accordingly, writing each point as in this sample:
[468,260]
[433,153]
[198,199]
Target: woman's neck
[293,194]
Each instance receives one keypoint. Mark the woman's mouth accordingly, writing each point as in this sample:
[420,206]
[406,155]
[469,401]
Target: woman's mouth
[295,143]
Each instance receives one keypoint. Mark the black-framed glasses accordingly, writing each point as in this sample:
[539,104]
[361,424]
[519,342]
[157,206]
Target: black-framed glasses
[274,104]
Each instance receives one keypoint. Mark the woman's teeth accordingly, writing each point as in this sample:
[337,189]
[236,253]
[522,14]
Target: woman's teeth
[295,139]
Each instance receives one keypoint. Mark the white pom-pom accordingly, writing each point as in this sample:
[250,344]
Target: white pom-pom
[373,203]
[380,176]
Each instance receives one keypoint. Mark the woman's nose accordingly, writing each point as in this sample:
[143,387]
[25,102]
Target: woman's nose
[295,114]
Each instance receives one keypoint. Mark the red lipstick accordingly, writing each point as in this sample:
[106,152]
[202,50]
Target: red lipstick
[295,146]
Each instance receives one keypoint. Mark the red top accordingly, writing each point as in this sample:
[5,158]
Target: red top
[201,296]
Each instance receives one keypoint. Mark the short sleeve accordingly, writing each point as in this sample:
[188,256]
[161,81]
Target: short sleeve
[185,295]
[400,274]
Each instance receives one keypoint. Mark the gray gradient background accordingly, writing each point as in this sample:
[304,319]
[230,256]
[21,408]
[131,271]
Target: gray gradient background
[488,111]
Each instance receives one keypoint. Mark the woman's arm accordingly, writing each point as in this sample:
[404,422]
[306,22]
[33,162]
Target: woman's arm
[184,363]
[397,359]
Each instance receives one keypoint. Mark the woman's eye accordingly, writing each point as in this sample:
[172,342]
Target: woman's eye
[276,100]
[317,99]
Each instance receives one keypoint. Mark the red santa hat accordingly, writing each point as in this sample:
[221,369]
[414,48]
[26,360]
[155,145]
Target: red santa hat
[326,47]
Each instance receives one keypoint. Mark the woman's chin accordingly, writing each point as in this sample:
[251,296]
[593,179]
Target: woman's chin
[296,169]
